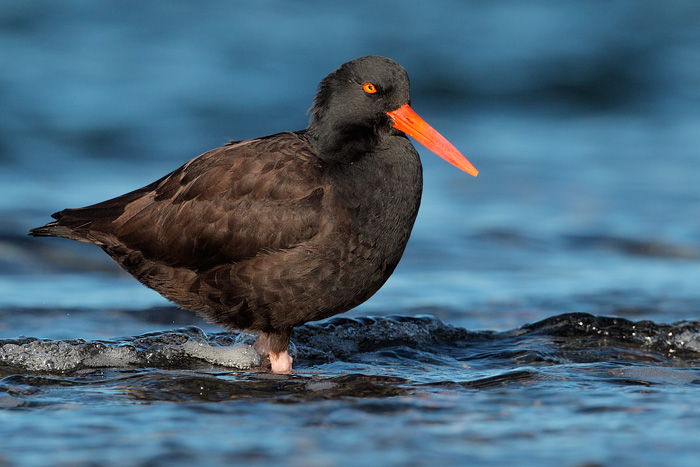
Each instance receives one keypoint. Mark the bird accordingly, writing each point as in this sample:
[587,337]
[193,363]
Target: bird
[266,234]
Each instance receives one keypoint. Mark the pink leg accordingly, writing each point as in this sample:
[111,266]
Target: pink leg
[281,363]
[262,345]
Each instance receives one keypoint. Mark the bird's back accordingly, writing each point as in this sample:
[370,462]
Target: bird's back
[222,208]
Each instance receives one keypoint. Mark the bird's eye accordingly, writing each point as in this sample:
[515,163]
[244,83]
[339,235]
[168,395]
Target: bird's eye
[369,88]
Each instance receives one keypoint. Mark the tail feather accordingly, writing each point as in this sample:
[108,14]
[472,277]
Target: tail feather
[82,224]
[72,230]
[51,230]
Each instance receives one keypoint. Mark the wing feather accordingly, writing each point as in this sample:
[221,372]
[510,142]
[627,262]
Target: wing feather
[227,205]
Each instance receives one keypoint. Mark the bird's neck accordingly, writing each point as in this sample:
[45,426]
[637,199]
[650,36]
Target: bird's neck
[342,145]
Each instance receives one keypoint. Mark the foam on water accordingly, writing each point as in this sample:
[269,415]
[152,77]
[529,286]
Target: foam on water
[178,348]
[239,356]
[61,356]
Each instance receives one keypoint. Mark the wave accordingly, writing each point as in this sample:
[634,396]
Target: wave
[384,341]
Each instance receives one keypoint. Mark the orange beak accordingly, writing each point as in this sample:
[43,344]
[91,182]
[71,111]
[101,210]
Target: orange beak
[406,120]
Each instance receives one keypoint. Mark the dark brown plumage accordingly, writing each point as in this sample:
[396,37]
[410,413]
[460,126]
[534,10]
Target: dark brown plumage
[270,233]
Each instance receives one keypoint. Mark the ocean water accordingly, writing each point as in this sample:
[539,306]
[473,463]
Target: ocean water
[544,313]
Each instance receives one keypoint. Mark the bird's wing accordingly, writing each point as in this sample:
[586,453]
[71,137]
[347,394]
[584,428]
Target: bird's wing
[224,206]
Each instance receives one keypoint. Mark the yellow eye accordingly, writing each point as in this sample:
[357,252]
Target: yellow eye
[369,88]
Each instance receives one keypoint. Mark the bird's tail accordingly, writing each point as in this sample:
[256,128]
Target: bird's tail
[52,229]
[74,224]
[89,224]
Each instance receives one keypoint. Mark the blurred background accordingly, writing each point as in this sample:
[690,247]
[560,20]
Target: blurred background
[581,116]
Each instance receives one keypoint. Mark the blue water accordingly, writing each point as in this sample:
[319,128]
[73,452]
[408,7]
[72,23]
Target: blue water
[583,121]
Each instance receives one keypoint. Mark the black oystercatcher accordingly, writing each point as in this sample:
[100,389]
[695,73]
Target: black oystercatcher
[267,234]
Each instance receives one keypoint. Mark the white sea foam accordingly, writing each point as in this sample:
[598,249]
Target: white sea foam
[688,340]
[150,350]
[65,356]
[239,355]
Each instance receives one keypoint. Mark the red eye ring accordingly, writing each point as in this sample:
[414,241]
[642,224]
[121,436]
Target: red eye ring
[369,88]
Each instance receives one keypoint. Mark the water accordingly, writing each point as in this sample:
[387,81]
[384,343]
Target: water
[393,390]
[528,319]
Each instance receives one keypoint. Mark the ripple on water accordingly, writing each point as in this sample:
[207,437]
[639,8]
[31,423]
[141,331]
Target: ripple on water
[413,350]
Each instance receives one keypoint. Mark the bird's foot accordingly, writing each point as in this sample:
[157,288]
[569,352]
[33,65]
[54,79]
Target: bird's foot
[281,363]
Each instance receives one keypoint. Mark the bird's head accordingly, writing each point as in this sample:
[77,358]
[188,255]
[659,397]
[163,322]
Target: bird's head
[364,99]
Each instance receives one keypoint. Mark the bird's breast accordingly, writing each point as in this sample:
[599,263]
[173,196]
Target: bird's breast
[380,195]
